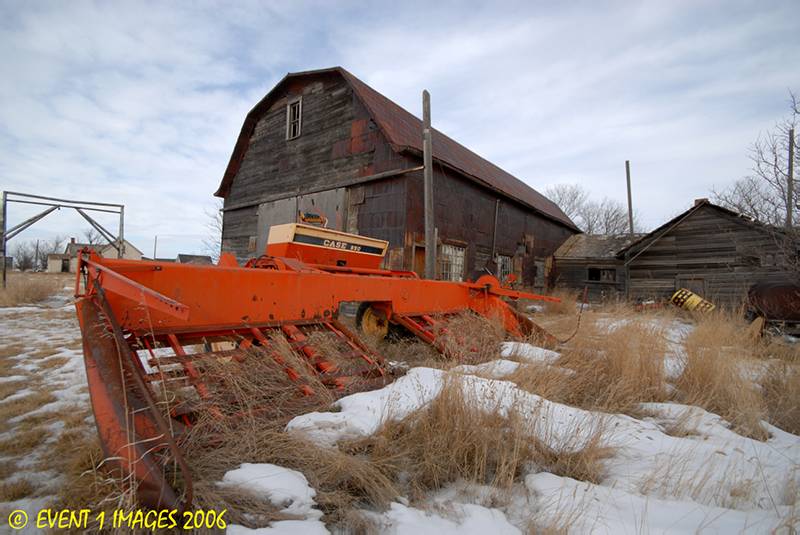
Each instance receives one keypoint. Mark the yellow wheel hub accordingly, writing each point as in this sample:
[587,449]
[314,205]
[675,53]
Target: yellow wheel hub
[375,323]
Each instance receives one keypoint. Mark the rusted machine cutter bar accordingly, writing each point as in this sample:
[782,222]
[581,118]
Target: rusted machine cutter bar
[290,295]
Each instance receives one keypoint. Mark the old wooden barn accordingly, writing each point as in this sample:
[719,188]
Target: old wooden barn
[710,250]
[324,142]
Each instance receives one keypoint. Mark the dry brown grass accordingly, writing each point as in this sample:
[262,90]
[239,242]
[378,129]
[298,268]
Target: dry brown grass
[340,480]
[717,482]
[259,400]
[681,427]
[88,482]
[29,288]
[25,404]
[53,362]
[454,439]
[450,439]
[714,376]
[23,442]
[11,387]
[11,350]
[15,490]
[260,384]
[472,339]
[7,469]
[44,352]
[780,387]
[567,305]
[410,351]
[608,371]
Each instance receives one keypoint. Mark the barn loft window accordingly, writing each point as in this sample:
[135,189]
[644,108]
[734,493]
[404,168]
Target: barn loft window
[504,267]
[294,116]
[451,262]
[602,275]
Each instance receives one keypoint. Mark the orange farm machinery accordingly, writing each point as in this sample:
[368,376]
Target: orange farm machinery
[142,322]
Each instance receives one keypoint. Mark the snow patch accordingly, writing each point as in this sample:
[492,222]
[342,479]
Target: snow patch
[282,527]
[285,488]
[528,353]
[462,519]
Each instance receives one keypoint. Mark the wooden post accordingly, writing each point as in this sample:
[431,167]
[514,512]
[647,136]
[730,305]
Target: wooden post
[427,157]
[790,181]
[3,220]
[630,203]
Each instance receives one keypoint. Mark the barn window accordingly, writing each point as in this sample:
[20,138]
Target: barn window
[294,116]
[602,275]
[451,262]
[504,266]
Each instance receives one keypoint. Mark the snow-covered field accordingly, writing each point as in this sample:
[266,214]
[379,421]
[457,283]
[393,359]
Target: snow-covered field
[707,479]
[47,403]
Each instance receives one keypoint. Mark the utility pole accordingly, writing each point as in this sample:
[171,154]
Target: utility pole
[427,158]
[790,181]
[630,203]
[36,257]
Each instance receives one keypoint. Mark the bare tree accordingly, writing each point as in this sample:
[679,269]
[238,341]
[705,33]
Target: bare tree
[606,216]
[212,242]
[763,195]
[46,247]
[569,197]
[24,254]
[92,236]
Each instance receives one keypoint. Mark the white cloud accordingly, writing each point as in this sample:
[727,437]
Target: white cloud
[141,103]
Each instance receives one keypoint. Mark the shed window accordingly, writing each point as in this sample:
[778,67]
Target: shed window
[451,262]
[602,275]
[294,115]
[504,267]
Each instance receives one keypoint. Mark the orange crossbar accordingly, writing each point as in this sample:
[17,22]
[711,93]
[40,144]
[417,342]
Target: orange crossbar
[164,297]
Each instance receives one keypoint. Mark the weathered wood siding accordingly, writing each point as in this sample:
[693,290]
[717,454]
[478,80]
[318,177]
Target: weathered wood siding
[708,252]
[338,144]
[465,214]
[573,274]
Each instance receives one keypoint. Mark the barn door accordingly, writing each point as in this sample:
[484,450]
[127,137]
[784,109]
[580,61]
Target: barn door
[329,204]
[274,213]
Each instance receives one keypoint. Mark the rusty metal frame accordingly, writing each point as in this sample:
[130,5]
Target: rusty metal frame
[53,204]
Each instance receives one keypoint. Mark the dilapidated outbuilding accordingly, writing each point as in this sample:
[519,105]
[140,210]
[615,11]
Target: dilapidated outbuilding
[67,262]
[712,251]
[324,143]
[590,261]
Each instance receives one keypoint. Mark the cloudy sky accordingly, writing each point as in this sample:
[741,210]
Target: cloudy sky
[140,103]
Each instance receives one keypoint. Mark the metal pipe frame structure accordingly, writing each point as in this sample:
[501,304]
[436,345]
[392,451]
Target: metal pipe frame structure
[53,204]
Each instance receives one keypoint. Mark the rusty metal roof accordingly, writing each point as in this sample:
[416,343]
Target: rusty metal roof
[404,132]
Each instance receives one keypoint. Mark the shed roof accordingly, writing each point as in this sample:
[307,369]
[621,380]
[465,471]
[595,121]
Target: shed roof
[73,248]
[593,246]
[404,132]
[658,233]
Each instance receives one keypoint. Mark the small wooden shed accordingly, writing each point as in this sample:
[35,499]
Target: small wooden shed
[590,261]
[712,251]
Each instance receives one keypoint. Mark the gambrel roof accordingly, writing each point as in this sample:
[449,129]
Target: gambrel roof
[403,131]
